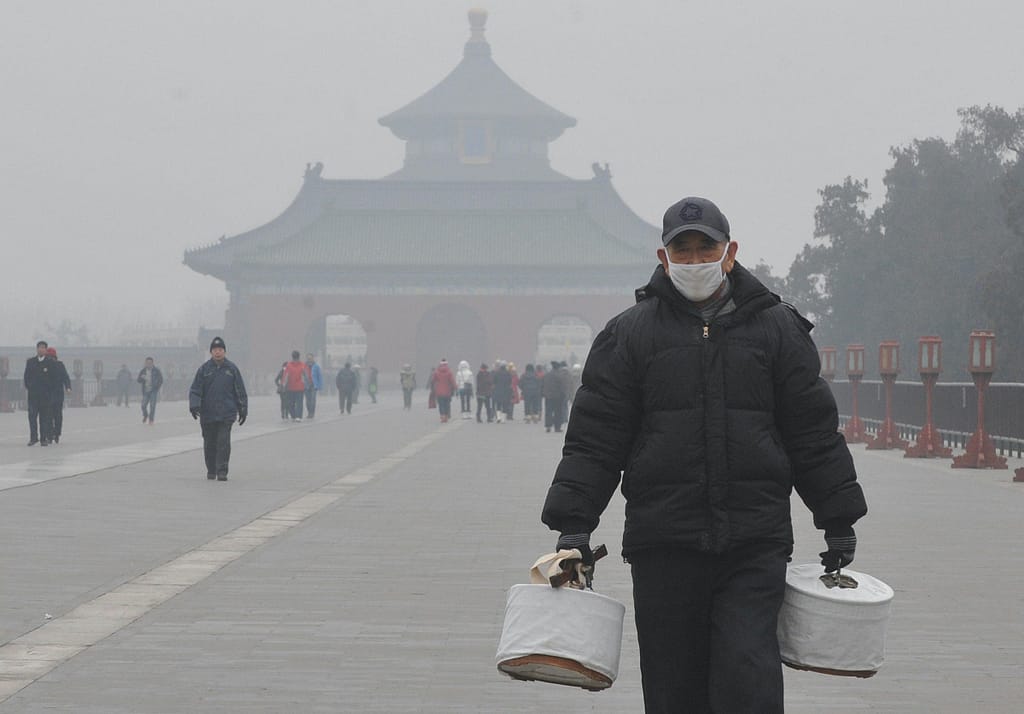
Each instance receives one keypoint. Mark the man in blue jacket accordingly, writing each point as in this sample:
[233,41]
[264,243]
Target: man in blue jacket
[217,397]
[705,401]
[314,385]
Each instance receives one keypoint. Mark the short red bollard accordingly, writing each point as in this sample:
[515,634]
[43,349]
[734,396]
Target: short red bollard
[5,368]
[854,431]
[981,452]
[77,399]
[888,367]
[97,370]
[929,364]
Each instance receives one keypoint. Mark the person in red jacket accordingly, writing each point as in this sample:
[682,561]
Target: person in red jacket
[295,380]
[443,386]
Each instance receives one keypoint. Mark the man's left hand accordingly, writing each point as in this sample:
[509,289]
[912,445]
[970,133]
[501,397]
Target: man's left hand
[841,542]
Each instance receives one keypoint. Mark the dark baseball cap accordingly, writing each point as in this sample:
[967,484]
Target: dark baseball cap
[694,214]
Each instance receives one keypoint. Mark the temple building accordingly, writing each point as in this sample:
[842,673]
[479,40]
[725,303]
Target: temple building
[476,248]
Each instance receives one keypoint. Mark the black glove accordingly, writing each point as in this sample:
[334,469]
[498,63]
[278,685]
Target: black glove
[242,416]
[194,411]
[579,541]
[842,543]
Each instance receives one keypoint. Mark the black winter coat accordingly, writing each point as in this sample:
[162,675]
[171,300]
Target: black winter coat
[38,378]
[710,426]
[218,391]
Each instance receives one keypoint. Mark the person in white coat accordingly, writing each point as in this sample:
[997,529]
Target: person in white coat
[464,378]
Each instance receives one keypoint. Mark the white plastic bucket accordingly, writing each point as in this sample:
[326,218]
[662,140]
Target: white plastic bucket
[561,635]
[839,631]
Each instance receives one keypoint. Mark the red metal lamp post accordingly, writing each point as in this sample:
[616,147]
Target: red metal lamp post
[5,368]
[929,364]
[827,356]
[981,453]
[854,431]
[888,367]
[97,370]
[77,385]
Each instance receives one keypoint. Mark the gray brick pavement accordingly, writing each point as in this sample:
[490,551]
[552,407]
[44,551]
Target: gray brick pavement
[390,599]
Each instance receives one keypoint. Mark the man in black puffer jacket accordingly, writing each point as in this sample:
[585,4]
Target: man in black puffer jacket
[216,398]
[705,399]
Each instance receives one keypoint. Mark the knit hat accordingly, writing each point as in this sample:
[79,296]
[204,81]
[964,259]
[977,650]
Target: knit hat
[52,351]
[217,342]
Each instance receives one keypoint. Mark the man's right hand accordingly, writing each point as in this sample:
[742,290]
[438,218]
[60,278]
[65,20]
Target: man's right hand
[579,541]
[194,411]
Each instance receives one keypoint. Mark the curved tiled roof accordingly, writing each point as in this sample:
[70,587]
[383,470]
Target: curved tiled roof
[452,239]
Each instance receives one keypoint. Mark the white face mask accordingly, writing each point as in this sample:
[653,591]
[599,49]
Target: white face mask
[697,282]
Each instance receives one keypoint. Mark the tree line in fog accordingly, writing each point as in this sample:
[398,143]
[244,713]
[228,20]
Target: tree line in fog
[942,255]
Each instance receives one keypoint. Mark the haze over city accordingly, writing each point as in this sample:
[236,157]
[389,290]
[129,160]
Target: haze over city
[137,130]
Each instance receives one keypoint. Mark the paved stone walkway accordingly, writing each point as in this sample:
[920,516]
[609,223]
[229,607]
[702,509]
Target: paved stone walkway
[361,564]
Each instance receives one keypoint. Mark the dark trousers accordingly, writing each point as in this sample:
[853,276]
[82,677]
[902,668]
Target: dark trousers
[148,405]
[554,413]
[466,399]
[531,405]
[40,421]
[217,446]
[122,395]
[444,406]
[484,403]
[310,403]
[706,629]
[56,419]
[407,397]
[345,402]
[295,404]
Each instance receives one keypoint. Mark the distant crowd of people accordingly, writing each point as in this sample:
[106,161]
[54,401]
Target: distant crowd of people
[499,390]
[298,381]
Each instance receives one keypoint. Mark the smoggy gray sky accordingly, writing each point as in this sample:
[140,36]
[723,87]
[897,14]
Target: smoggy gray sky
[134,129]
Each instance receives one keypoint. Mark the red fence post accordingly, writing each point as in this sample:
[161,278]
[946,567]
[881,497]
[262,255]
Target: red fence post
[77,385]
[888,367]
[854,431]
[929,364]
[5,368]
[981,453]
[97,370]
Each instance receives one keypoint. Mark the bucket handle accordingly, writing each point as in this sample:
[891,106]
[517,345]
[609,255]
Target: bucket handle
[838,580]
[568,573]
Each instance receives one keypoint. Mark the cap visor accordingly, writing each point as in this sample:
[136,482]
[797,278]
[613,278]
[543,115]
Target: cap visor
[710,232]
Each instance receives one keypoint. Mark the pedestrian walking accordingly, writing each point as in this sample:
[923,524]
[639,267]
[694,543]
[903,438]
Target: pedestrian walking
[295,381]
[464,378]
[151,379]
[345,381]
[281,388]
[316,383]
[39,391]
[217,398]
[553,389]
[484,392]
[705,399]
[371,384]
[529,385]
[514,398]
[60,384]
[407,378]
[502,391]
[123,380]
[443,387]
